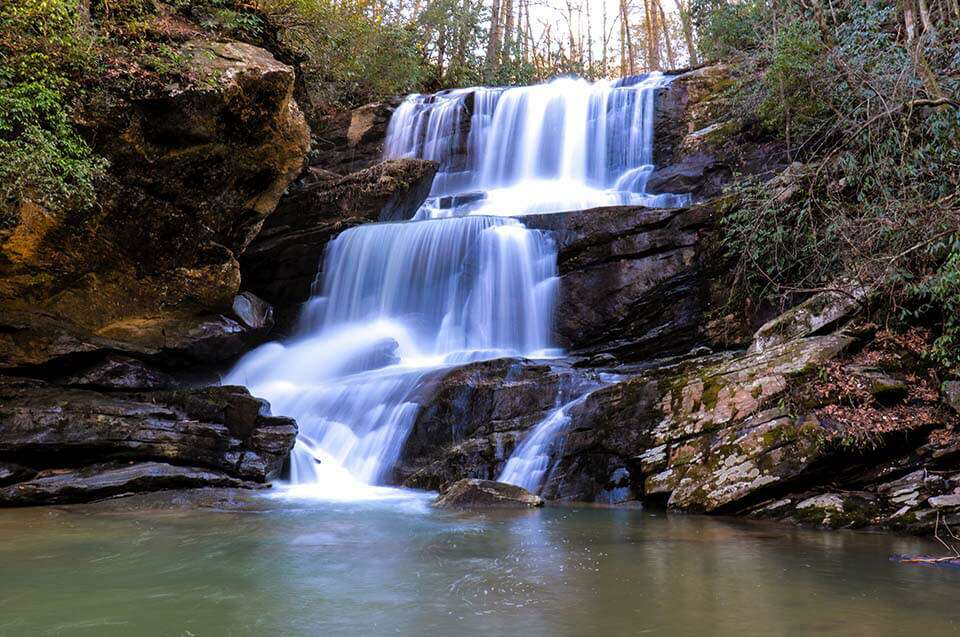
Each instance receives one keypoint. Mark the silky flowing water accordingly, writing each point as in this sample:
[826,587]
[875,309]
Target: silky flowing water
[333,553]
[393,566]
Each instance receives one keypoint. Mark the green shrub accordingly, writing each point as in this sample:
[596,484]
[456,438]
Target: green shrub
[46,47]
[876,196]
[727,28]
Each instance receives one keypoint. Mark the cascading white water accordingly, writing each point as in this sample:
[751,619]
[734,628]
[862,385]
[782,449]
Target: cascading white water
[564,145]
[397,302]
[528,464]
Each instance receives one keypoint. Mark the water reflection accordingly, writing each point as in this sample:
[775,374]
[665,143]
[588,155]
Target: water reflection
[288,567]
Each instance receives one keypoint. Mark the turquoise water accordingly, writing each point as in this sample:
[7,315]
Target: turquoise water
[217,563]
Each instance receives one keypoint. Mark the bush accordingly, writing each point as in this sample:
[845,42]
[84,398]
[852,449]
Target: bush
[46,46]
[727,28]
[876,197]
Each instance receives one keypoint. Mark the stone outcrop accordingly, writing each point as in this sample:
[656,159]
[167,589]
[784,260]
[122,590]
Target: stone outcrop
[634,282]
[285,259]
[152,269]
[70,444]
[352,140]
[485,494]
[821,312]
[699,144]
[473,415]
[758,433]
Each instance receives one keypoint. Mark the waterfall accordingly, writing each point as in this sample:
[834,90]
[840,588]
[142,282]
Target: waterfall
[564,145]
[397,303]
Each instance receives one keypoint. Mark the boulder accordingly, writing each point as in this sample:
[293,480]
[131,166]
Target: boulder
[483,494]
[47,427]
[349,141]
[285,259]
[472,417]
[116,372]
[818,314]
[194,171]
[634,282]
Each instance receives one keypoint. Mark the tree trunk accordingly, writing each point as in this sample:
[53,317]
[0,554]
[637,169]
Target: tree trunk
[908,20]
[925,18]
[625,31]
[686,22]
[493,41]
[590,73]
[671,60]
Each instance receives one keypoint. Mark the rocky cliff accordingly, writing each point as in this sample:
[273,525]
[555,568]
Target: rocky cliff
[109,314]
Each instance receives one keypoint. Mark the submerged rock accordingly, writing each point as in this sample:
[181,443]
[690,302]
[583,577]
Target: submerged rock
[471,493]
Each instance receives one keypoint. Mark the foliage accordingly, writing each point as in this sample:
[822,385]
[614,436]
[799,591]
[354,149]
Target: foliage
[876,195]
[727,28]
[46,44]
[346,52]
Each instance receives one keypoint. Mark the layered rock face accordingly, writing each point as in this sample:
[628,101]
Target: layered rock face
[699,143]
[62,444]
[473,416]
[109,315]
[835,429]
[635,282]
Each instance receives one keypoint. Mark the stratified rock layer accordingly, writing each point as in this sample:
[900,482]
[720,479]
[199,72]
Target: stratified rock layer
[286,257]
[55,434]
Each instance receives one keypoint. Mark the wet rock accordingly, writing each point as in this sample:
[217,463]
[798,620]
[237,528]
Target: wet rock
[193,172]
[221,428]
[281,265]
[468,494]
[634,281]
[705,434]
[253,312]
[109,480]
[816,315]
[472,417]
[10,472]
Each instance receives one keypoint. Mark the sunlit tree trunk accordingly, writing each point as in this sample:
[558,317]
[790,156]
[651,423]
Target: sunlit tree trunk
[507,15]
[686,24]
[626,38]
[493,40]
[665,29]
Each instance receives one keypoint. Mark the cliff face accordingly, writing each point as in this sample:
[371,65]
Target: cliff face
[106,313]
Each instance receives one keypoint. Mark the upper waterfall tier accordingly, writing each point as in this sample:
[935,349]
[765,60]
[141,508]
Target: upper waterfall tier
[568,144]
